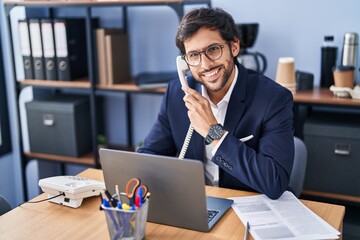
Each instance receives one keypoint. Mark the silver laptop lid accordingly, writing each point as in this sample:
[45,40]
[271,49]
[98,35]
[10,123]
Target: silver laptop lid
[177,186]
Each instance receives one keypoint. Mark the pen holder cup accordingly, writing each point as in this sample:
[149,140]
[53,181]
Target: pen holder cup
[127,224]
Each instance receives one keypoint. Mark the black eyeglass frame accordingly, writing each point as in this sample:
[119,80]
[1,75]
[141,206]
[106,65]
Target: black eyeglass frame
[204,52]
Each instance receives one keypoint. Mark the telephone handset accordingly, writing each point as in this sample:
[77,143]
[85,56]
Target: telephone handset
[182,68]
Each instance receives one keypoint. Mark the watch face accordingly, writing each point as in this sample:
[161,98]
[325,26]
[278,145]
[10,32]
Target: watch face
[216,131]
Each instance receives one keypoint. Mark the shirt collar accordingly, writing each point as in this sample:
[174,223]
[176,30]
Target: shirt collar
[227,96]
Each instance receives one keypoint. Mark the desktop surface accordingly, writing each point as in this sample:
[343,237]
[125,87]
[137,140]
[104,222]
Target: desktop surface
[323,97]
[51,221]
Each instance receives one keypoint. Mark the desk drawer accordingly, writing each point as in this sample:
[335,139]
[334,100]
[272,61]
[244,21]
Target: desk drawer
[333,154]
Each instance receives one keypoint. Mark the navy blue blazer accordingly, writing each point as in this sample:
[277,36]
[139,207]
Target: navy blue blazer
[258,106]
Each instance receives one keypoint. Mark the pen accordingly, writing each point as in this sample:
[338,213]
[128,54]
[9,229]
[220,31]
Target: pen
[137,201]
[247,229]
[111,199]
[106,203]
[139,198]
[125,206]
[147,196]
[117,191]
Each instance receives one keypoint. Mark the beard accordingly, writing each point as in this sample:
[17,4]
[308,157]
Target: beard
[221,81]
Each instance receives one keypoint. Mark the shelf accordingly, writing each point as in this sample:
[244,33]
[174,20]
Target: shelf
[100,2]
[83,83]
[87,159]
[129,87]
[177,5]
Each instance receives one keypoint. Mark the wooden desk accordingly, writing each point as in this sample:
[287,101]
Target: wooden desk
[320,97]
[323,96]
[51,221]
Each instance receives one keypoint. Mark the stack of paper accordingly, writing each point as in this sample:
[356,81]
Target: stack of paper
[284,218]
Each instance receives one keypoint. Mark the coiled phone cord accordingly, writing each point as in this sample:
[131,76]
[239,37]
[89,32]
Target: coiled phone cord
[186,142]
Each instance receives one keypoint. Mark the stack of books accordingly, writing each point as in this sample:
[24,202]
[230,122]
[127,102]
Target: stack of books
[113,56]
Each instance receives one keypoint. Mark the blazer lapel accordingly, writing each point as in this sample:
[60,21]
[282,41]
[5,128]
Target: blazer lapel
[237,104]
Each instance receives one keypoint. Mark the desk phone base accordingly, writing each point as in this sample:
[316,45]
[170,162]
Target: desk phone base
[74,189]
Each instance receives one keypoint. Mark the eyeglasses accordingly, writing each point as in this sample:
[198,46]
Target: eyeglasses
[213,52]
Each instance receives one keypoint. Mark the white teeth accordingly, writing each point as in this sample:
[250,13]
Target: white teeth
[211,73]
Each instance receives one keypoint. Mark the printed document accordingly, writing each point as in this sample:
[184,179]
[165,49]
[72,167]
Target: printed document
[284,218]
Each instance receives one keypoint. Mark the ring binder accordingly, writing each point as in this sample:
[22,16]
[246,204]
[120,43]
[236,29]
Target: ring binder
[37,51]
[70,45]
[49,49]
[25,48]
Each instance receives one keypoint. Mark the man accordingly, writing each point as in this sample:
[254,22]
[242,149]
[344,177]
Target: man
[243,123]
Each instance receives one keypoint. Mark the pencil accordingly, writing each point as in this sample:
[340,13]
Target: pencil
[247,229]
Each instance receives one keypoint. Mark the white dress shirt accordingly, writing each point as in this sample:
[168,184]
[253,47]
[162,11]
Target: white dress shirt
[219,111]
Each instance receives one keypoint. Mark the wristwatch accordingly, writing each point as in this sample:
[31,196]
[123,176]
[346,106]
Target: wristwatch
[215,132]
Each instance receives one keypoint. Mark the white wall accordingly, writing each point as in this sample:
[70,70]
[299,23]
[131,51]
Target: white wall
[296,28]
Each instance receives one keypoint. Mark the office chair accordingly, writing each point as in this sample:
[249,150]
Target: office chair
[4,205]
[299,168]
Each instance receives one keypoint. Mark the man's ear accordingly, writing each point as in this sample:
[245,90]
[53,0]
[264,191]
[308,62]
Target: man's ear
[235,46]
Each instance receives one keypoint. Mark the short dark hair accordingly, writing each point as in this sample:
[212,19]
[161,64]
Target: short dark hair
[212,18]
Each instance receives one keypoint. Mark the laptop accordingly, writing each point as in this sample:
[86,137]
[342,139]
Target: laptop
[177,187]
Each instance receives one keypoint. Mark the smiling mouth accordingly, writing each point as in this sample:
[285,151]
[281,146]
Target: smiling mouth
[212,72]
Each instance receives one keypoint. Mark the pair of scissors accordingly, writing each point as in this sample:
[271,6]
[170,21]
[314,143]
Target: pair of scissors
[135,188]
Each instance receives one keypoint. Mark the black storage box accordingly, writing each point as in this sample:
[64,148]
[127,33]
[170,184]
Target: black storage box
[333,144]
[59,125]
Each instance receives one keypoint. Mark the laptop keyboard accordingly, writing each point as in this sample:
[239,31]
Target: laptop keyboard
[211,214]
